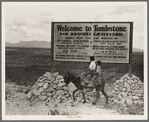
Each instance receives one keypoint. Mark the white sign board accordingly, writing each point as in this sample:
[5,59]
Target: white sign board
[77,41]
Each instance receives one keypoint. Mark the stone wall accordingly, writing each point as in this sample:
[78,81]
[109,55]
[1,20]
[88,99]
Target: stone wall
[128,90]
[49,86]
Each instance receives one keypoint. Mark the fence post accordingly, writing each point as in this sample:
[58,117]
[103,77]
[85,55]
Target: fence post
[52,47]
[130,48]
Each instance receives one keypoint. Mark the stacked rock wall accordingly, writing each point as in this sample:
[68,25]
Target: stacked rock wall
[49,86]
[128,90]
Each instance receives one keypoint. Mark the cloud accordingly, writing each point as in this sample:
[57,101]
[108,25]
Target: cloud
[34,22]
[124,9]
[22,22]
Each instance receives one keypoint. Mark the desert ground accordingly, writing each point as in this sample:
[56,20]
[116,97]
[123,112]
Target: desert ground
[25,65]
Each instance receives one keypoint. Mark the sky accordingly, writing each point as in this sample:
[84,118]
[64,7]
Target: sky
[32,21]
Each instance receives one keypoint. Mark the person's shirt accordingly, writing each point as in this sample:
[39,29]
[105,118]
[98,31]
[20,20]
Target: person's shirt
[98,69]
[92,65]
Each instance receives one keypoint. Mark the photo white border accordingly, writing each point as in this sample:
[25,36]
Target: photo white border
[87,117]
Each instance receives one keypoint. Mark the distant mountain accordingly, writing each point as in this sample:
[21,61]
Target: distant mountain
[32,44]
[7,44]
[136,50]
[42,44]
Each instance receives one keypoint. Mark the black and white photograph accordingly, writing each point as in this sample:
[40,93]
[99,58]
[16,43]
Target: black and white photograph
[74,61]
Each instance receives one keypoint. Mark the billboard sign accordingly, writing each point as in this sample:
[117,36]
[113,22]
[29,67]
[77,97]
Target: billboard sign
[77,41]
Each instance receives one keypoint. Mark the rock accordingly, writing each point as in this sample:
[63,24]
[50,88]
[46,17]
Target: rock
[59,98]
[132,85]
[129,101]
[133,77]
[133,94]
[67,95]
[59,88]
[40,84]
[47,81]
[124,89]
[50,89]
[43,93]
[79,99]
[29,95]
[53,93]
[39,79]
[61,84]
[122,101]
[128,90]
[121,84]
[139,91]
[56,74]
[65,92]
[135,102]
[54,86]
[124,95]
[126,85]
[119,97]
[128,77]
[138,102]
[46,85]
[116,101]
[139,95]
[36,92]
[49,99]
[139,81]
[60,92]
[27,90]
[48,74]
[56,82]
[90,85]
[42,97]
[65,88]
[130,82]
[115,88]
[49,94]
[41,89]
[36,83]
[135,98]
[61,80]
[52,79]
[33,98]
[117,81]
[136,87]
[59,77]
[130,97]
[37,87]
[125,80]
[135,81]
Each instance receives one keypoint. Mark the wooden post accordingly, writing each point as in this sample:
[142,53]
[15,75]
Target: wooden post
[52,47]
[130,48]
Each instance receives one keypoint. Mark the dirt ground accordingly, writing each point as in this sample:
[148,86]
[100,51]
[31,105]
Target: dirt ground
[17,104]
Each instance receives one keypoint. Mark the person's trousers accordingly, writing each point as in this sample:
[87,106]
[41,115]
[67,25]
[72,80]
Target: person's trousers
[84,74]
